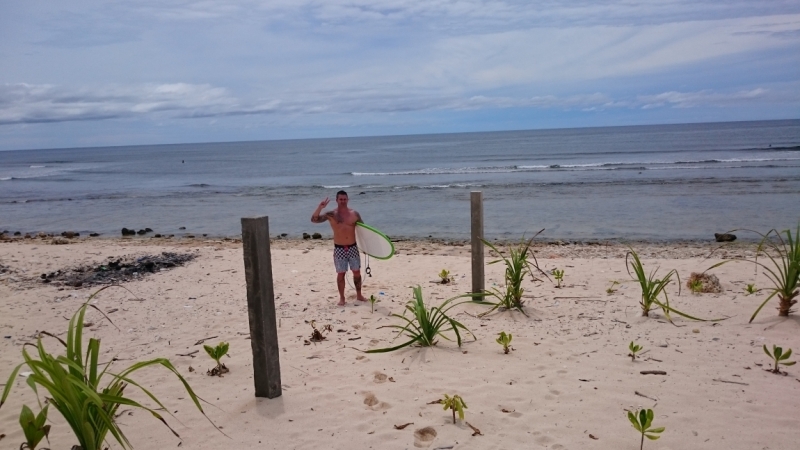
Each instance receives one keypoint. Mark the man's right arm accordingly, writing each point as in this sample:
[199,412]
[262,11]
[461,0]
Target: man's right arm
[320,218]
[316,217]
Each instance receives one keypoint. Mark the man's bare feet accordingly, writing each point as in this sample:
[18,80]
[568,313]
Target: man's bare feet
[341,303]
[361,298]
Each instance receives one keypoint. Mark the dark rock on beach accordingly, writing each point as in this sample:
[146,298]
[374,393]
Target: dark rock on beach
[94,234]
[316,236]
[306,236]
[116,271]
[140,232]
[724,237]
[127,232]
[70,234]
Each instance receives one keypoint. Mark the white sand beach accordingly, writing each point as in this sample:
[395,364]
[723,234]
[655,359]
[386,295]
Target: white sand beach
[566,385]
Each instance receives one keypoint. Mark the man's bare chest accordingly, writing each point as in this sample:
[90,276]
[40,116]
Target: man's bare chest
[346,218]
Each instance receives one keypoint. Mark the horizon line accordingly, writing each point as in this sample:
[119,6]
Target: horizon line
[364,136]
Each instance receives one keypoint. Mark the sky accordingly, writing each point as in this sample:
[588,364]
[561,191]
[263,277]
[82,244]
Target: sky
[77,73]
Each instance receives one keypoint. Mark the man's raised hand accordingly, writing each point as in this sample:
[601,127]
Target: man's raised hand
[324,203]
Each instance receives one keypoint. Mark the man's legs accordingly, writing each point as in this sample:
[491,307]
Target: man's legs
[357,282]
[340,285]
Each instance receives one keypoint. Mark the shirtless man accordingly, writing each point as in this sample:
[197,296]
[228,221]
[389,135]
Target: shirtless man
[345,253]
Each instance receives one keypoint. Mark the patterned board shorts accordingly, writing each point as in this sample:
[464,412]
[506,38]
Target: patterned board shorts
[344,256]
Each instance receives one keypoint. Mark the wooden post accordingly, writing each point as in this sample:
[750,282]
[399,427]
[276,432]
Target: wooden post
[261,307]
[476,201]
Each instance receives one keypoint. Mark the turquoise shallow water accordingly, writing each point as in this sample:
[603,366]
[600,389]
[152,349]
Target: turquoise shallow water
[663,182]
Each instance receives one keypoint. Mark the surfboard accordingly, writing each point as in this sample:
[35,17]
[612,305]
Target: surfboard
[372,242]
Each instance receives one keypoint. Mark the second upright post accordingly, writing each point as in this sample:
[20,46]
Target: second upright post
[476,202]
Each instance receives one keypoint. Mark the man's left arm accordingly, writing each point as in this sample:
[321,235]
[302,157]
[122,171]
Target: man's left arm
[358,217]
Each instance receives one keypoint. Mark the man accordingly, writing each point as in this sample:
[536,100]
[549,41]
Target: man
[345,253]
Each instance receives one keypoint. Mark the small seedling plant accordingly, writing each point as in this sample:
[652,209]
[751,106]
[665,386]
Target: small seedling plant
[634,348]
[444,275]
[642,420]
[751,288]
[372,301]
[456,404]
[216,353]
[424,325]
[779,357]
[611,289]
[33,427]
[520,263]
[504,340]
[558,274]
[653,288]
[696,286]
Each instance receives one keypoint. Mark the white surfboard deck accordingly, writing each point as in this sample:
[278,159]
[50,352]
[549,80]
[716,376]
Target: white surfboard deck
[372,242]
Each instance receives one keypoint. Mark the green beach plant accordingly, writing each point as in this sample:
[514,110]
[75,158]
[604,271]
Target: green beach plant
[653,287]
[445,276]
[372,301]
[33,427]
[642,420]
[425,324]
[504,340]
[518,265]
[751,288]
[634,348]
[558,274]
[75,384]
[779,357]
[611,289]
[696,286]
[783,269]
[456,404]
[216,353]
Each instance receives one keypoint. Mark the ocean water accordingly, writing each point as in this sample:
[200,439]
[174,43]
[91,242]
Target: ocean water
[661,182]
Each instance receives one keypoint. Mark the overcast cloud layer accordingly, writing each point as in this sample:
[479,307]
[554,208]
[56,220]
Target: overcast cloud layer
[85,73]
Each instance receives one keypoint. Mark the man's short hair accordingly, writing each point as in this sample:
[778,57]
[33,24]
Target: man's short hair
[341,193]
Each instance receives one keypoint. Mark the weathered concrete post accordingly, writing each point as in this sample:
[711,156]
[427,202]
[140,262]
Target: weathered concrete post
[476,201]
[261,307]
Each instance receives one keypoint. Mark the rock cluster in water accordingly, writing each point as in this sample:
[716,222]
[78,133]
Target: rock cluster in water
[133,232]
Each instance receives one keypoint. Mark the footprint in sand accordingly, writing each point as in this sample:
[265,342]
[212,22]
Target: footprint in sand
[424,437]
[373,403]
[380,377]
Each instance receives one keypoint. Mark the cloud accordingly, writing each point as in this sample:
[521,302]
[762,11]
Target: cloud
[25,103]
[704,98]
[465,14]
[69,29]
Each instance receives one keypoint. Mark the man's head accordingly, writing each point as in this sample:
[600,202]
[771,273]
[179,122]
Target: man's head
[341,198]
